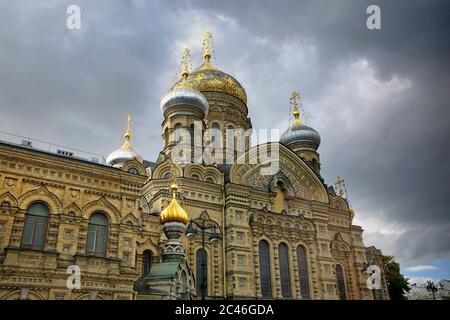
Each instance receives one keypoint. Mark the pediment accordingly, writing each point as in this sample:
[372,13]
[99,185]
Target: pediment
[287,166]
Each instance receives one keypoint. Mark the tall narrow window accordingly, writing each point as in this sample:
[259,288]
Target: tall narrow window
[202,273]
[178,133]
[303,272]
[215,132]
[284,270]
[166,137]
[192,134]
[35,228]
[97,235]
[146,262]
[264,269]
[340,282]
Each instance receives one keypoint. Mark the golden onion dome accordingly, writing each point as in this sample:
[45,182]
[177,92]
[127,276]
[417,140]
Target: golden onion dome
[209,78]
[174,212]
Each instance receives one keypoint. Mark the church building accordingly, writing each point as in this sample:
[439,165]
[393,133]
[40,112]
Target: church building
[206,219]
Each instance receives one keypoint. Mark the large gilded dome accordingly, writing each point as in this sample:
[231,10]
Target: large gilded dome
[208,78]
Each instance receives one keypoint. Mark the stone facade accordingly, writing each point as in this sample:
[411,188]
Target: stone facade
[312,249]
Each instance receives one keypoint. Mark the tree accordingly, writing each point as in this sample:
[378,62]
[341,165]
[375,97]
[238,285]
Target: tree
[397,284]
[432,288]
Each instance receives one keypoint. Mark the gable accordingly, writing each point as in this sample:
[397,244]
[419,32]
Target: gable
[292,170]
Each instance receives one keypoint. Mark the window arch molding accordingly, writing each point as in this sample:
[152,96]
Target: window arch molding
[340,279]
[303,271]
[104,206]
[201,266]
[98,234]
[147,257]
[35,227]
[285,269]
[265,269]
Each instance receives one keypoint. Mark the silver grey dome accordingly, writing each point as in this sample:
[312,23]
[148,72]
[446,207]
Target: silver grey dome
[184,96]
[121,155]
[301,133]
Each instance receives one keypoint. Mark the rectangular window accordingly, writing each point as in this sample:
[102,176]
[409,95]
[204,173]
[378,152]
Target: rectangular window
[241,283]
[2,227]
[238,215]
[240,236]
[241,260]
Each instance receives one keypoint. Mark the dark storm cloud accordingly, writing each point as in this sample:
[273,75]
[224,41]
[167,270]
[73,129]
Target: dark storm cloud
[379,99]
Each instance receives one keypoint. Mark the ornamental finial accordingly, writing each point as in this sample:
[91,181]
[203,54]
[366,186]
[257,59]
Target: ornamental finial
[185,62]
[340,186]
[127,136]
[173,186]
[294,105]
[207,49]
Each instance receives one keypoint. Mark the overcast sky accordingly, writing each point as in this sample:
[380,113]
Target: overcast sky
[378,98]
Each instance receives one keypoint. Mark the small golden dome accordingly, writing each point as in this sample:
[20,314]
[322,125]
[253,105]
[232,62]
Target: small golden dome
[174,212]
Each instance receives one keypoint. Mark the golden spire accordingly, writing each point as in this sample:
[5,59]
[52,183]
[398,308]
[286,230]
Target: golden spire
[294,104]
[173,186]
[207,50]
[185,61]
[174,212]
[127,136]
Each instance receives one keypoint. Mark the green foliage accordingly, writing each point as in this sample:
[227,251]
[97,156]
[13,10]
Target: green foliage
[396,282]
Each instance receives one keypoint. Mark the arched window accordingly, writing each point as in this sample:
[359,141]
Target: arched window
[178,133]
[35,228]
[166,137]
[215,131]
[192,134]
[284,270]
[195,177]
[210,180]
[168,175]
[133,171]
[264,269]
[97,235]
[340,282]
[146,262]
[202,273]
[303,272]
